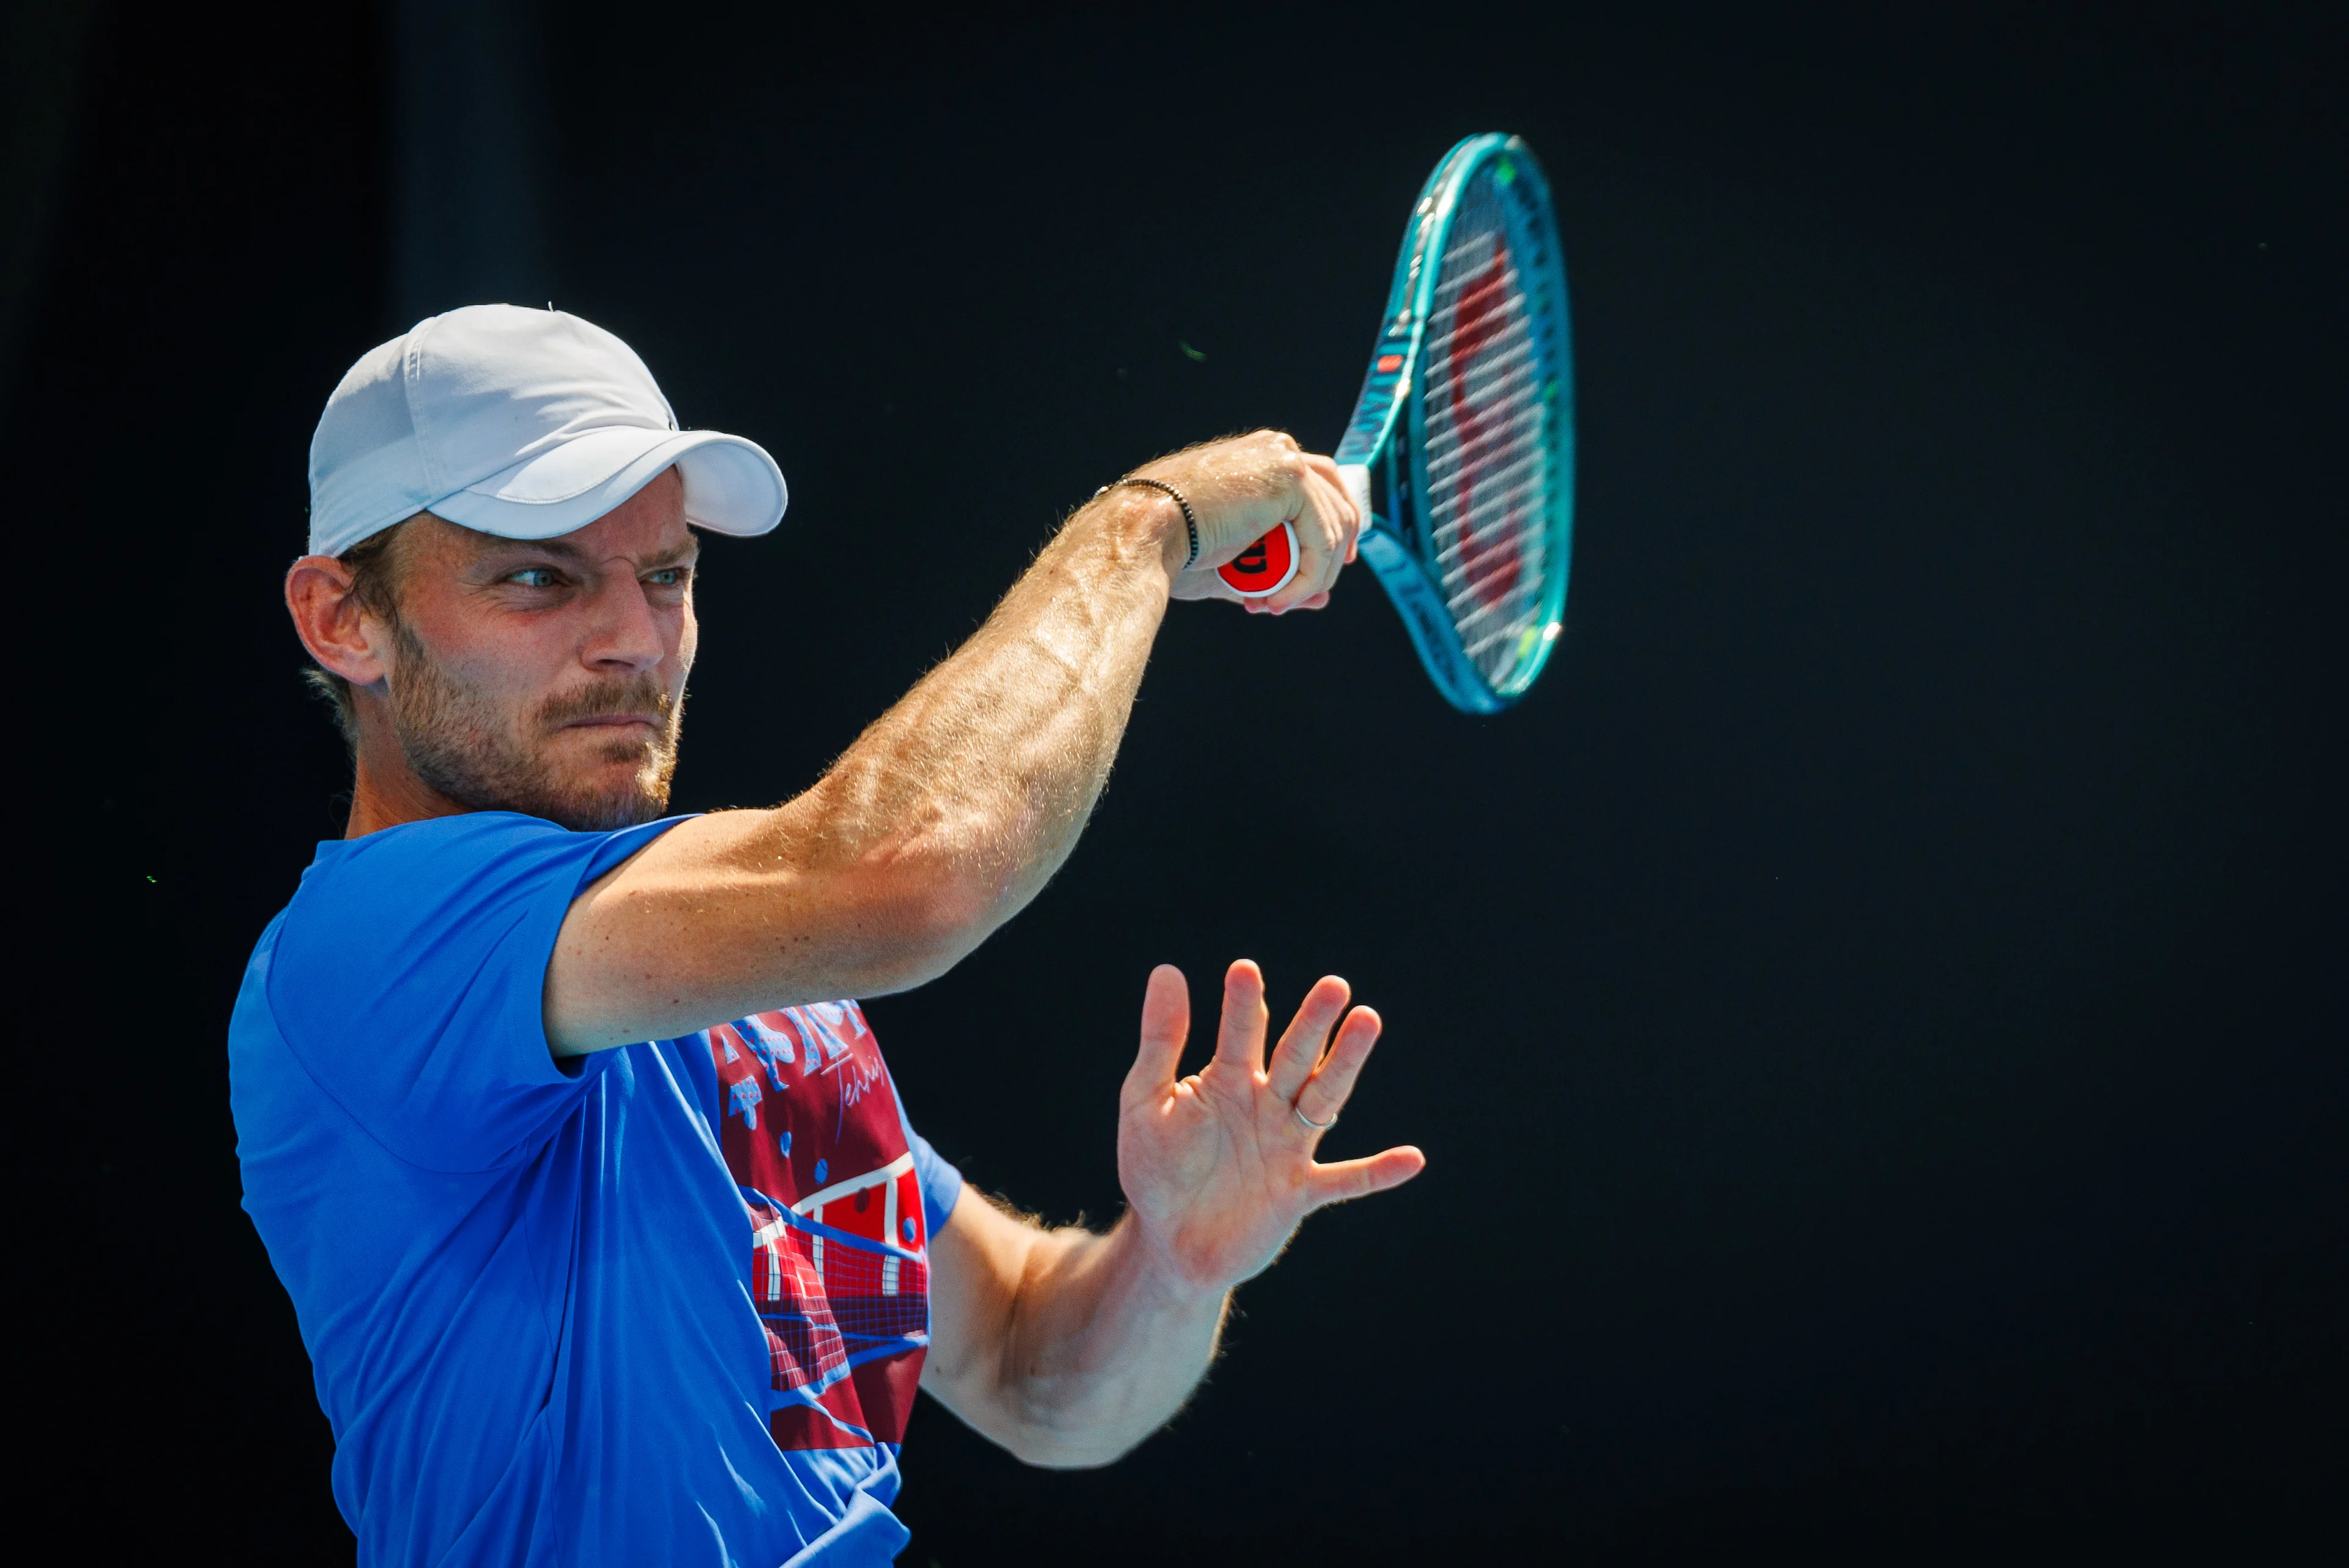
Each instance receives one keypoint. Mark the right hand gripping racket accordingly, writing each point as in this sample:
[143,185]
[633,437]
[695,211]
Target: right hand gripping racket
[1461,449]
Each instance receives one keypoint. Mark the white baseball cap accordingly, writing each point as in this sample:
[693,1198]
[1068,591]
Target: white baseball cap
[522,423]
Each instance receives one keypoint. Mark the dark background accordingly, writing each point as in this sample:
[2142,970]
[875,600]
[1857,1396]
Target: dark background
[1874,1013]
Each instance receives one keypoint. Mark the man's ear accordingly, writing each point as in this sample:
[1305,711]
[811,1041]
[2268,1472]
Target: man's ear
[338,633]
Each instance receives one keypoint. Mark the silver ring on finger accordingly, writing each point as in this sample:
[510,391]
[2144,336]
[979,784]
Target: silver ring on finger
[1299,1112]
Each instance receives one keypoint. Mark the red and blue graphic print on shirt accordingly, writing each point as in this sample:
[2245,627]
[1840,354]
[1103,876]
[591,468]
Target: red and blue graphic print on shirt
[840,1257]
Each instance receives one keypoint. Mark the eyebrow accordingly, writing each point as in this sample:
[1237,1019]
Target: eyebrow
[685,554]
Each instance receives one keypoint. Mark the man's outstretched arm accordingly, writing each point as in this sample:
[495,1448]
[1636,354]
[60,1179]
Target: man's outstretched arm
[1069,1348]
[950,812]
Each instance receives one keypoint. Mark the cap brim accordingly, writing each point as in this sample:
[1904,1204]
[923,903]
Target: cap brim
[732,485]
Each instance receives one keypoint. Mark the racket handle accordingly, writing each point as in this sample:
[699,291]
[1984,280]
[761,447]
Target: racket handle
[1266,567]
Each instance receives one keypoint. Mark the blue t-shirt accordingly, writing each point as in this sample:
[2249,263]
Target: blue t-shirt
[661,1304]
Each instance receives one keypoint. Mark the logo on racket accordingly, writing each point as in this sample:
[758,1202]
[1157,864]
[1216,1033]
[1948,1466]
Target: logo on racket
[1485,318]
[1265,567]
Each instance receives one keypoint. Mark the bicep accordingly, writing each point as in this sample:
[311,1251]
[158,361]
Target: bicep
[978,1261]
[719,918]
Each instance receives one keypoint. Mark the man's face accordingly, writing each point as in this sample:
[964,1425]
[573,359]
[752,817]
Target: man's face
[548,677]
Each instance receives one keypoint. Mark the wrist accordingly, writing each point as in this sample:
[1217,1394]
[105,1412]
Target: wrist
[1152,1271]
[1155,518]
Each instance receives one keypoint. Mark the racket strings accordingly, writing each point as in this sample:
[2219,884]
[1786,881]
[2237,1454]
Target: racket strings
[1487,440]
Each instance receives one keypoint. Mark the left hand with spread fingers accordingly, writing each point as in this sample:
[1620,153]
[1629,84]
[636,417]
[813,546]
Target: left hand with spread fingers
[1068,1348]
[1218,1167]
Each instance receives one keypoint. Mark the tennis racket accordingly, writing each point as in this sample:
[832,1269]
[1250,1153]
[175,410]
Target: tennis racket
[1461,451]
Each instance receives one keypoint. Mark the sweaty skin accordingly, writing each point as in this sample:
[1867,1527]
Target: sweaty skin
[549,677]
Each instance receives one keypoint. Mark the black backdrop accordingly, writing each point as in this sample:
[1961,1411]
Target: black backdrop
[1874,1013]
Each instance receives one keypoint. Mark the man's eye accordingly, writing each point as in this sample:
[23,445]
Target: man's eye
[668,577]
[534,577]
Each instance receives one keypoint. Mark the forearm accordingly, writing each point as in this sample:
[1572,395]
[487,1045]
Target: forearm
[979,780]
[1101,1347]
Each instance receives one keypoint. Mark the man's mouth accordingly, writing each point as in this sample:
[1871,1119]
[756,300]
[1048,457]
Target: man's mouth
[614,721]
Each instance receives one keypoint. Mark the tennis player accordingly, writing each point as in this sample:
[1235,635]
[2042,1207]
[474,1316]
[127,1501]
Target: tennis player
[607,1231]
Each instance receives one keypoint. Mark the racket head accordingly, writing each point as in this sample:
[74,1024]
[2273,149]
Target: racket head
[1465,426]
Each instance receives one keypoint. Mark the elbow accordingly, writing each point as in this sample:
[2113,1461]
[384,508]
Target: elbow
[912,892]
[1045,1450]
[914,926]
[1086,1435]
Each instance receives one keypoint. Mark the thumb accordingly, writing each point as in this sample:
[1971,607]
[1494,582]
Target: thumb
[1165,1026]
[1351,1179]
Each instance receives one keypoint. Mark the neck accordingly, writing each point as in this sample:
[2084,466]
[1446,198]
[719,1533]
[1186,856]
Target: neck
[385,791]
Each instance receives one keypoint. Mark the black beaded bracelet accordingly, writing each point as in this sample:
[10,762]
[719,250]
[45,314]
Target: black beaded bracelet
[1190,523]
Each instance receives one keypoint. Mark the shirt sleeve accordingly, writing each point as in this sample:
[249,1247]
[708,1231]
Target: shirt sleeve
[411,975]
[941,1183]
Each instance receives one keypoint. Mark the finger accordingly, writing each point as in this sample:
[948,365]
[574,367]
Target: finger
[1332,1083]
[1299,1051]
[1165,1025]
[1321,543]
[1352,518]
[1344,515]
[1317,537]
[1327,467]
[1351,1179]
[1240,1039]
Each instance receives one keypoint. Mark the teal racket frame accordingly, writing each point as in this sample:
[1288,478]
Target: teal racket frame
[1386,437]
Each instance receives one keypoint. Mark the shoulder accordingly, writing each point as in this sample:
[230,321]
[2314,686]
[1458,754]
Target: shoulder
[406,979]
[433,860]
[475,838]
[424,886]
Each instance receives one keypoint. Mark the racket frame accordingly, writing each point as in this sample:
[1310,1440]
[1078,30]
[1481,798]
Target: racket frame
[1382,453]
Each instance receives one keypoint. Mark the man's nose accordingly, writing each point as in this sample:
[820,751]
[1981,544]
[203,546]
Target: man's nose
[625,634]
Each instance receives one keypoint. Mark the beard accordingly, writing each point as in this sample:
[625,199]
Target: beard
[463,743]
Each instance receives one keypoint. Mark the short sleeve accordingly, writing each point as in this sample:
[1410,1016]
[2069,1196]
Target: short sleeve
[410,973]
[941,1183]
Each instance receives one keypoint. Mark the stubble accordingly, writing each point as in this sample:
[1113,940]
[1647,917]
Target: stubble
[461,743]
